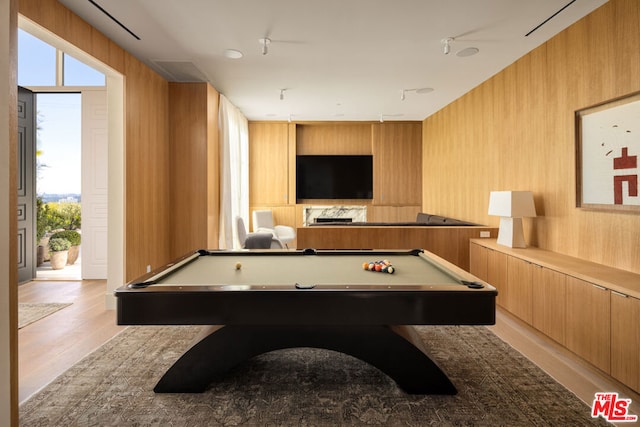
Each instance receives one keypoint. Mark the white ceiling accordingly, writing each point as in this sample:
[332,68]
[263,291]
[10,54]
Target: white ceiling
[336,59]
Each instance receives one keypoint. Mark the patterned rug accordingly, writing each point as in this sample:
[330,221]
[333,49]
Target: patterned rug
[304,387]
[32,312]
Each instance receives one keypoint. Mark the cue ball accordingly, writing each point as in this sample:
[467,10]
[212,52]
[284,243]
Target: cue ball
[238,266]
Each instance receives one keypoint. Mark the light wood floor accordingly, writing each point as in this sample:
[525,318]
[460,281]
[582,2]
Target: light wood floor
[50,346]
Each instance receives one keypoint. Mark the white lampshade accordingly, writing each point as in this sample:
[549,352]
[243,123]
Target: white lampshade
[511,206]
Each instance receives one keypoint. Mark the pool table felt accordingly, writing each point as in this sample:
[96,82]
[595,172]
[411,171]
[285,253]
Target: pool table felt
[273,270]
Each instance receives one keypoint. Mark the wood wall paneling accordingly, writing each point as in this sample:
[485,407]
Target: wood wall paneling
[333,138]
[147,170]
[268,164]
[397,150]
[190,139]
[515,131]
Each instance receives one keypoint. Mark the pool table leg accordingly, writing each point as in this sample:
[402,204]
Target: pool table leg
[396,350]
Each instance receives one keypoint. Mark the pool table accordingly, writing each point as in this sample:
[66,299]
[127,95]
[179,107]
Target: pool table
[263,300]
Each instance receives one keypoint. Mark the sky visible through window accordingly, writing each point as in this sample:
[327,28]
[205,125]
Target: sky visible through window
[59,143]
[59,116]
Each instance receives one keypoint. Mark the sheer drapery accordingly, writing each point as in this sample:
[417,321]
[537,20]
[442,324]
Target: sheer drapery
[234,170]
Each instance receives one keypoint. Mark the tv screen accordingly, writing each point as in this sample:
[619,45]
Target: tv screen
[334,177]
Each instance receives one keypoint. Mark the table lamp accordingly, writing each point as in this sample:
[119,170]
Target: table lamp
[511,207]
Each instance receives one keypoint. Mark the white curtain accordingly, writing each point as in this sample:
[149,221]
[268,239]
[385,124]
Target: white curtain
[234,167]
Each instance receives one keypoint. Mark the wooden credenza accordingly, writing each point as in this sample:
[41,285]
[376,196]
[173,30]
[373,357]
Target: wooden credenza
[591,309]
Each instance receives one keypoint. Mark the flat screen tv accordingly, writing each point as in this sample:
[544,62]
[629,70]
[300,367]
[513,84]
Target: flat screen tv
[334,177]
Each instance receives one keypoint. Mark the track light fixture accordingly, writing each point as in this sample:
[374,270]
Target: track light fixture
[402,96]
[282,94]
[446,45]
[265,43]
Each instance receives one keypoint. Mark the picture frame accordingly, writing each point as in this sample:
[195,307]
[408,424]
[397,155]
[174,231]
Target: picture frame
[608,155]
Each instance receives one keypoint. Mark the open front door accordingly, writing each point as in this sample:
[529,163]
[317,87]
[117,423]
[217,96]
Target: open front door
[26,185]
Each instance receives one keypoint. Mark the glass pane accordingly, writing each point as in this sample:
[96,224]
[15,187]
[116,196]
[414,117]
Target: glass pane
[58,141]
[36,61]
[77,73]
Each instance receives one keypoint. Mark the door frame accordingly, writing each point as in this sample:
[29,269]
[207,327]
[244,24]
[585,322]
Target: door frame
[116,251]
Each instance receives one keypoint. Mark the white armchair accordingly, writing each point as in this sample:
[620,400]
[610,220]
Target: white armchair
[263,222]
[262,240]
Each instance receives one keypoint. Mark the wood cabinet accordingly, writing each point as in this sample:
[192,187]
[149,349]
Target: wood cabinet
[397,164]
[519,299]
[588,317]
[591,309]
[478,261]
[497,274]
[625,339]
[549,297]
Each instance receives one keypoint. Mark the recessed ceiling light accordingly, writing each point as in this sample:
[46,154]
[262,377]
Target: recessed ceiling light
[233,54]
[469,51]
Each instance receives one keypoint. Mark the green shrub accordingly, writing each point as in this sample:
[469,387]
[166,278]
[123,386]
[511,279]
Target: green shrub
[41,224]
[57,245]
[56,216]
[71,235]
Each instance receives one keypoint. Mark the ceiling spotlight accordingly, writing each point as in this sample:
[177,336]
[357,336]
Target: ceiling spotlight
[446,45]
[381,118]
[402,95]
[469,51]
[265,43]
[282,94]
[233,54]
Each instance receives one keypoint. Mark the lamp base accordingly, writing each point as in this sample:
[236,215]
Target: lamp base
[510,233]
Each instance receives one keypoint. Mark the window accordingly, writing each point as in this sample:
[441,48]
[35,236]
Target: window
[77,73]
[36,61]
[38,66]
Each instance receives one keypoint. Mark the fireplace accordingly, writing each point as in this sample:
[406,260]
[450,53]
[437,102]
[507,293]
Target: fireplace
[314,214]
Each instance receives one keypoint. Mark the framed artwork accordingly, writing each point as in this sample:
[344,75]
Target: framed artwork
[607,155]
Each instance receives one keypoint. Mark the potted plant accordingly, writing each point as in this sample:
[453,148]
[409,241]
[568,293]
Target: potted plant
[58,250]
[74,238]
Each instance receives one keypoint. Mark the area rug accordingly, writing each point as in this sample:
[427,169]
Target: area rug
[304,387]
[32,312]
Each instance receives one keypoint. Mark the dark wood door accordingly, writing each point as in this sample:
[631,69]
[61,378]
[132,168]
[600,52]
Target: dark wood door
[26,185]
